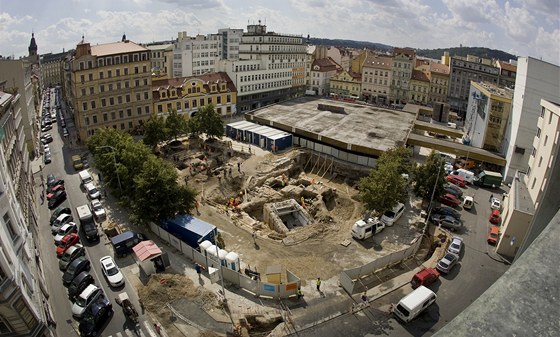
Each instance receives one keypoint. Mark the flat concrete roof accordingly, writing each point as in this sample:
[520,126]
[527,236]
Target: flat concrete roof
[361,128]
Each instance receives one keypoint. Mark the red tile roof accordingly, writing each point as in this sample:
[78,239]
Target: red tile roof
[439,68]
[419,76]
[325,64]
[507,66]
[180,81]
[405,51]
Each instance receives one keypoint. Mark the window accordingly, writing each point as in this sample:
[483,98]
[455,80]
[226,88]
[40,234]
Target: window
[82,79]
[542,111]
[136,70]
[100,75]
[90,76]
[147,109]
[91,91]
[126,71]
[102,88]
[119,99]
[545,140]
[519,150]
[533,152]
[83,91]
[540,161]
[111,101]
[129,112]
[127,98]
[103,102]
[94,119]
[118,72]
[84,106]
[10,227]
[121,114]
[93,104]
[109,73]
[113,115]
[105,117]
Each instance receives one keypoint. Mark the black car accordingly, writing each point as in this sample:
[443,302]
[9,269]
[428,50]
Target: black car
[447,211]
[77,266]
[95,316]
[58,198]
[79,283]
[453,189]
[57,212]
[50,179]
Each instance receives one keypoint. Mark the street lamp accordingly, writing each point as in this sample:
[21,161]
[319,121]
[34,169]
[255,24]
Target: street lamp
[114,161]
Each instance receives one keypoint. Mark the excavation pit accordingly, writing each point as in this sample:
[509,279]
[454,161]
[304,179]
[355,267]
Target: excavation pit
[285,216]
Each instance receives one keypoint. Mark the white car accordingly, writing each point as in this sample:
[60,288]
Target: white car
[111,271]
[83,301]
[496,204]
[92,191]
[65,229]
[98,210]
[456,245]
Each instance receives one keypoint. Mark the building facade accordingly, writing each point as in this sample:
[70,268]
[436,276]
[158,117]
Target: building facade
[419,88]
[439,82]
[488,113]
[322,70]
[187,95]
[52,66]
[22,295]
[347,84]
[271,68]
[535,80]
[111,87]
[404,61]
[376,76]
[161,59]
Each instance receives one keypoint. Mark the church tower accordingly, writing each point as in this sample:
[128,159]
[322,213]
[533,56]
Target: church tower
[33,56]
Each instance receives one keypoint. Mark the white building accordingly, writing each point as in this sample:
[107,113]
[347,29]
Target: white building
[22,294]
[161,59]
[271,68]
[535,80]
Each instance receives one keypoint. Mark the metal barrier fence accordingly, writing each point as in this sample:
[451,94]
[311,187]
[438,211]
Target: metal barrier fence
[257,287]
[349,278]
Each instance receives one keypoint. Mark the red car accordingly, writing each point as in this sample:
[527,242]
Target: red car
[450,200]
[52,191]
[493,235]
[67,241]
[457,180]
[424,277]
[495,217]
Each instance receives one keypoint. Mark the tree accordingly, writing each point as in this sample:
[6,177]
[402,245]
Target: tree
[158,195]
[385,187]
[176,125]
[210,121]
[429,178]
[155,131]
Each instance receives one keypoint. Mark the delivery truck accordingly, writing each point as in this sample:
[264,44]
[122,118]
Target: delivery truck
[87,223]
[488,179]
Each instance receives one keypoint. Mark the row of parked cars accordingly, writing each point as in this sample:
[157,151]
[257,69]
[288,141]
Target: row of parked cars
[89,303]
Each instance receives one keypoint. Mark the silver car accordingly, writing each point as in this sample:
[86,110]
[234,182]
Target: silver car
[447,262]
[447,221]
[70,255]
[456,245]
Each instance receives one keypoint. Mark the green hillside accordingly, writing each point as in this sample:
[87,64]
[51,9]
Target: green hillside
[464,51]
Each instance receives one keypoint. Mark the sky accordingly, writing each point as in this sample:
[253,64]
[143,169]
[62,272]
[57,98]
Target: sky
[520,27]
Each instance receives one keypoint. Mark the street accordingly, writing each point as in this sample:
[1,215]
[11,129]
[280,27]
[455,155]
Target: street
[476,271]
[67,326]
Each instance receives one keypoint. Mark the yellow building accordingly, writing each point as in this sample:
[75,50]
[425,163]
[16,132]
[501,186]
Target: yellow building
[188,94]
[419,88]
[111,86]
[346,84]
[161,59]
[376,76]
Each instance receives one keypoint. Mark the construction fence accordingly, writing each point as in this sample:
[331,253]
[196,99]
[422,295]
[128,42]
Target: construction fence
[236,278]
[351,278]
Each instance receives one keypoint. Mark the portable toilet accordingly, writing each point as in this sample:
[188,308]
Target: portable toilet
[222,256]
[232,260]
[211,252]
[203,245]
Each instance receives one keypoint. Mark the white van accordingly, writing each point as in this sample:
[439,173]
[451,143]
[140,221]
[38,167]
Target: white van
[465,174]
[414,303]
[392,215]
[468,203]
[85,177]
[362,230]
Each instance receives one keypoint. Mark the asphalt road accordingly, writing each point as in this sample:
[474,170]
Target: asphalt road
[475,272]
[116,325]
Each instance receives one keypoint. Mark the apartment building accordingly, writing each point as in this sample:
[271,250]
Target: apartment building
[543,171]
[376,76]
[535,80]
[488,113]
[18,75]
[507,73]
[52,66]
[187,95]
[22,291]
[404,61]
[161,60]
[419,87]
[111,86]
[439,82]
[347,84]
[271,68]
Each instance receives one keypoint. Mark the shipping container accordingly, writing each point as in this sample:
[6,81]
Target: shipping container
[189,229]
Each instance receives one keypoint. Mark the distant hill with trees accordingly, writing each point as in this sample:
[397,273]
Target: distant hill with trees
[431,53]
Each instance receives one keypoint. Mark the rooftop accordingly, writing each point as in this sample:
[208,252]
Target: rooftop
[491,89]
[114,48]
[367,129]
[419,76]
[439,68]
[507,66]
[523,201]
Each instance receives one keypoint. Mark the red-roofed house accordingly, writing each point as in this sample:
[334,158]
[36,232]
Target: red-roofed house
[347,84]
[376,78]
[419,88]
[320,76]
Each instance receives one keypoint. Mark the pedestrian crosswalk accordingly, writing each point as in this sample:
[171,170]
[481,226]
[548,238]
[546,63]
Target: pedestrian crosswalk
[144,329]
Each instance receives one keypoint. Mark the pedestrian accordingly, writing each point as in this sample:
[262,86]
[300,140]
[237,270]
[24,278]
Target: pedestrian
[142,305]
[105,192]
[249,149]
[198,269]
[42,199]
[364,297]
[254,235]
[230,172]
[319,284]
[298,293]
[157,328]
[219,180]
[40,168]
[239,167]
[196,206]
[491,197]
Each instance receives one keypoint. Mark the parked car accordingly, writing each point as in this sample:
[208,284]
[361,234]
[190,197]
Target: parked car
[46,128]
[46,139]
[53,188]
[79,283]
[450,200]
[111,271]
[72,253]
[58,198]
[493,235]
[424,277]
[47,158]
[456,245]
[456,190]
[85,299]
[65,132]
[447,211]
[68,228]
[447,221]
[496,204]
[92,191]
[495,217]
[98,210]
[66,242]
[57,212]
[50,179]
[447,262]
[457,180]
[77,266]
[62,220]
[95,316]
